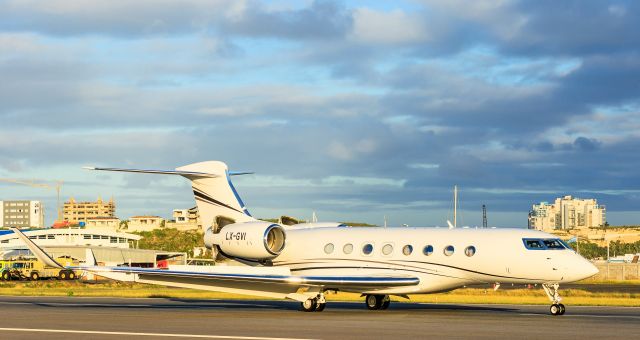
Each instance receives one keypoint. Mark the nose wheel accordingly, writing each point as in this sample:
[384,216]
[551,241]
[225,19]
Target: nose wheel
[552,293]
[557,309]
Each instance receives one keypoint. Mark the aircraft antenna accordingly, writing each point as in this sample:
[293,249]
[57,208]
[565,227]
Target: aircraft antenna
[484,216]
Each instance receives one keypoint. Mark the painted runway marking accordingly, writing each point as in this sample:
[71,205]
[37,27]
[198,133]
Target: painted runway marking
[202,336]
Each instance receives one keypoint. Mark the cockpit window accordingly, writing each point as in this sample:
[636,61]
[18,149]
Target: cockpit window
[544,244]
[533,244]
[566,245]
[553,244]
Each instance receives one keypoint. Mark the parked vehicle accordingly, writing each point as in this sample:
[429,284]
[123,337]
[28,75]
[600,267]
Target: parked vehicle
[32,269]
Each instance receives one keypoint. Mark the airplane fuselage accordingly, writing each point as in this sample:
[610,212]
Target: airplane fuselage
[443,259]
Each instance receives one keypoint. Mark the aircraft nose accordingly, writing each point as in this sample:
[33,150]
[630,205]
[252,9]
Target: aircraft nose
[585,270]
[592,270]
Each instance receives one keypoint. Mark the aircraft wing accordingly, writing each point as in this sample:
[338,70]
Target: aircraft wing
[244,280]
[275,282]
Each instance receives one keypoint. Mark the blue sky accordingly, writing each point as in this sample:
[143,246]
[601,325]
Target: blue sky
[355,109]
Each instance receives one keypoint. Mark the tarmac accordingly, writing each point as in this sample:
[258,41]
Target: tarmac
[162,318]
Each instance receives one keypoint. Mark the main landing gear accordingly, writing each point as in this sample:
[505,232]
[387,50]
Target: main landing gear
[552,292]
[376,302]
[315,304]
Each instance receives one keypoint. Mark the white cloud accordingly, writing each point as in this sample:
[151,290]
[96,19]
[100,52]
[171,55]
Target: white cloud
[394,27]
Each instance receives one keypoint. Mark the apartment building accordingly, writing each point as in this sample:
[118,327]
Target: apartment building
[567,213]
[76,212]
[22,214]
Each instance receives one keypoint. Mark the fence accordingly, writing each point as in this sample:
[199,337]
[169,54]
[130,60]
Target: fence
[617,271]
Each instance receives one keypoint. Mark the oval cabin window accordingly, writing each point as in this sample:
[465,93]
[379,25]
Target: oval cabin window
[428,250]
[328,248]
[449,250]
[367,249]
[470,251]
[407,250]
[348,248]
[387,249]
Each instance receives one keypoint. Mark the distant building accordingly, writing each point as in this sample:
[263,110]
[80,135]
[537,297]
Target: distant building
[110,223]
[144,223]
[75,212]
[185,219]
[567,213]
[109,248]
[22,214]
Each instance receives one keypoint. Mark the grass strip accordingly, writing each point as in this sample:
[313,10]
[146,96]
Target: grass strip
[533,296]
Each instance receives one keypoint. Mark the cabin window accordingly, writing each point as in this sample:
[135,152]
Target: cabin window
[367,249]
[407,250]
[51,237]
[328,248]
[448,250]
[348,248]
[387,249]
[428,250]
[87,237]
[470,251]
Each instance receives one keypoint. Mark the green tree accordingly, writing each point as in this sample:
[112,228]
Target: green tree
[170,239]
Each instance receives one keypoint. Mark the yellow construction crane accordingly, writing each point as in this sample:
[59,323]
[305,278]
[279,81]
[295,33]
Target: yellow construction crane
[57,187]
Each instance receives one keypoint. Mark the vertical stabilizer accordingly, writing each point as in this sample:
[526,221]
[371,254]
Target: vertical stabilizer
[215,195]
[217,200]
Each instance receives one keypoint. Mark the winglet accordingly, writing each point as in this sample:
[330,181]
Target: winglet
[37,251]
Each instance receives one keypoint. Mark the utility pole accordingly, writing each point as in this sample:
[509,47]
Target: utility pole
[484,216]
[455,206]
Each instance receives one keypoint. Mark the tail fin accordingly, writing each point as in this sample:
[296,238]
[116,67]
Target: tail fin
[215,196]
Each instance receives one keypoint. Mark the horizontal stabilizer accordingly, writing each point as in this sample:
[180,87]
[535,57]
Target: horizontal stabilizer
[160,172]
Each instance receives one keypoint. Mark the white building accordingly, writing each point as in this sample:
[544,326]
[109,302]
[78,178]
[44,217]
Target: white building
[108,223]
[70,237]
[567,213]
[22,214]
[144,223]
[185,219]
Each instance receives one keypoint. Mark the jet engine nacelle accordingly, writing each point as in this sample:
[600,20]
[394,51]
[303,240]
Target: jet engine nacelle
[248,240]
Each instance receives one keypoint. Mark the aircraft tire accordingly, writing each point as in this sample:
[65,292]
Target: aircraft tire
[385,303]
[320,307]
[6,276]
[309,305]
[72,275]
[34,276]
[554,309]
[562,309]
[373,301]
[63,275]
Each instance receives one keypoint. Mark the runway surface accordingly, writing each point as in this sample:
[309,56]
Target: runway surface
[109,318]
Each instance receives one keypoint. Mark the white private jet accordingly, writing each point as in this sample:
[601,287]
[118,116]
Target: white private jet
[305,261]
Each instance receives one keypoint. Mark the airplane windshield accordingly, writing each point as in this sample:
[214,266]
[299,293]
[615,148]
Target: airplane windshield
[544,244]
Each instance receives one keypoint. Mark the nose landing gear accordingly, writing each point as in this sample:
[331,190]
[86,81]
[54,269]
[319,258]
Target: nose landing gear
[552,292]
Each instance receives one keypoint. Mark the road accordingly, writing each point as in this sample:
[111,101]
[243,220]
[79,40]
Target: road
[111,318]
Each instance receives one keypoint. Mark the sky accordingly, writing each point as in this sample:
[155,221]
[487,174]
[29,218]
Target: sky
[357,110]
